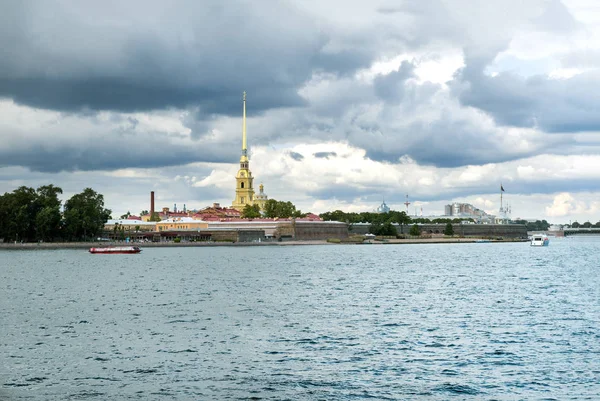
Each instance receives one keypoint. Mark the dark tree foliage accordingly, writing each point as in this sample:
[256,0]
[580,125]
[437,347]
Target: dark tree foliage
[537,225]
[251,212]
[385,229]
[48,221]
[367,217]
[155,217]
[374,228]
[274,208]
[415,230]
[27,214]
[449,230]
[85,215]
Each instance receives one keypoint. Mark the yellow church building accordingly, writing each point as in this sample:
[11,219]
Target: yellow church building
[244,189]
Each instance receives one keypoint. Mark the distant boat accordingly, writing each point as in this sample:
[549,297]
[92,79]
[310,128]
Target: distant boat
[539,240]
[479,241]
[116,249]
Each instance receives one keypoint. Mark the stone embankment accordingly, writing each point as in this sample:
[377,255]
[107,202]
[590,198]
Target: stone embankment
[87,245]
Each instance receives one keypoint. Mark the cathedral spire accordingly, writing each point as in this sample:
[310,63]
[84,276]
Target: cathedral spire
[244,147]
[244,192]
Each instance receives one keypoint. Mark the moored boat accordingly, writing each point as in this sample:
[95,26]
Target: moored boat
[116,249]
[539,240]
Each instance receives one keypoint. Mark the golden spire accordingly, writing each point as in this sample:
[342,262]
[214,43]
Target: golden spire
[244,148]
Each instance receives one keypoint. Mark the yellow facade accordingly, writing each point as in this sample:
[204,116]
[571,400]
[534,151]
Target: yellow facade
[129,225]
[180,224]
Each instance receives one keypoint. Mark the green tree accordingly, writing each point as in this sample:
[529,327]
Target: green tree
[18,211]
[415,230]
[388,229]
[449,230]
[85,215]
[126,215]
[375,228]
[402,219]
[155,217]
[336,215]
[48,220]
[274,208]
[25,212]
[251,211]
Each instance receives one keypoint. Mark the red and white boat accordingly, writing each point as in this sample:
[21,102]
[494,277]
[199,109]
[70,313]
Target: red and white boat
[116,249]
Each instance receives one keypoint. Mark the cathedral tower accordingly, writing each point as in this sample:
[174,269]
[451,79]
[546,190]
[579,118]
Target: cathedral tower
[244,191]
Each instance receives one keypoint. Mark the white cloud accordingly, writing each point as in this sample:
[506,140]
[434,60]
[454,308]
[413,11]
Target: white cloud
[563,205]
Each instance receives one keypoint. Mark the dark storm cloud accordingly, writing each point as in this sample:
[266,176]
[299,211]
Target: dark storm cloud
[553,105]
[550,185]
[517,187]
[391,87]
[324,155]
[112,153]
[296,156]
[145,55]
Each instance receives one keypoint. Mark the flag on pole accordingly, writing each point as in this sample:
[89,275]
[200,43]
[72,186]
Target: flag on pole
[501,188]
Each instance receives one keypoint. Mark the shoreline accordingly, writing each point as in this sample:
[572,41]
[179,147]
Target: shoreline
[96,244]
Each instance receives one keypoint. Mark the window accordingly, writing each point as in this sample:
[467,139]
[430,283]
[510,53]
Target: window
[242,185]
[242,199]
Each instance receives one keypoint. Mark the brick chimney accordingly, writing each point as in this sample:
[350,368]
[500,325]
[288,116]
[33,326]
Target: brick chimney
[151,204]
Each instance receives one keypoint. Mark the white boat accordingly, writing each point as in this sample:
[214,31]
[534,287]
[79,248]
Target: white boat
[116,249]
[539,240]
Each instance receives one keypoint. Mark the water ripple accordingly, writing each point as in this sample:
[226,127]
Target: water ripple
[419,322]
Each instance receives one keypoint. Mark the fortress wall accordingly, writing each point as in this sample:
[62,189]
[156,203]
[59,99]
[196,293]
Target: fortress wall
[474,230]
[309,230]
[250,235]
[490,230]
[284,229]
[236,235]
[223,235]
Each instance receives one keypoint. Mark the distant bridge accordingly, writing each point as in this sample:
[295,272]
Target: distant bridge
[580,230]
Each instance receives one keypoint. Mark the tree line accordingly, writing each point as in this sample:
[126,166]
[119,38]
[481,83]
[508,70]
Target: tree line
[587,224]
[29,214]
[383,223]
[272,209]
[538,225]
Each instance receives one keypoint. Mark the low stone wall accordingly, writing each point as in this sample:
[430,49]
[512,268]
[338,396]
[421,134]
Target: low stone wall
[466,230]
[234,235]
[284,230]
[311,230]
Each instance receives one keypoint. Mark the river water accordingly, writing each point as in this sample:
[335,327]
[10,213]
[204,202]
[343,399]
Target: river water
[333,322]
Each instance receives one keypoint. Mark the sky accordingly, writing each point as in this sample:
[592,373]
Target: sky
[349,102]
